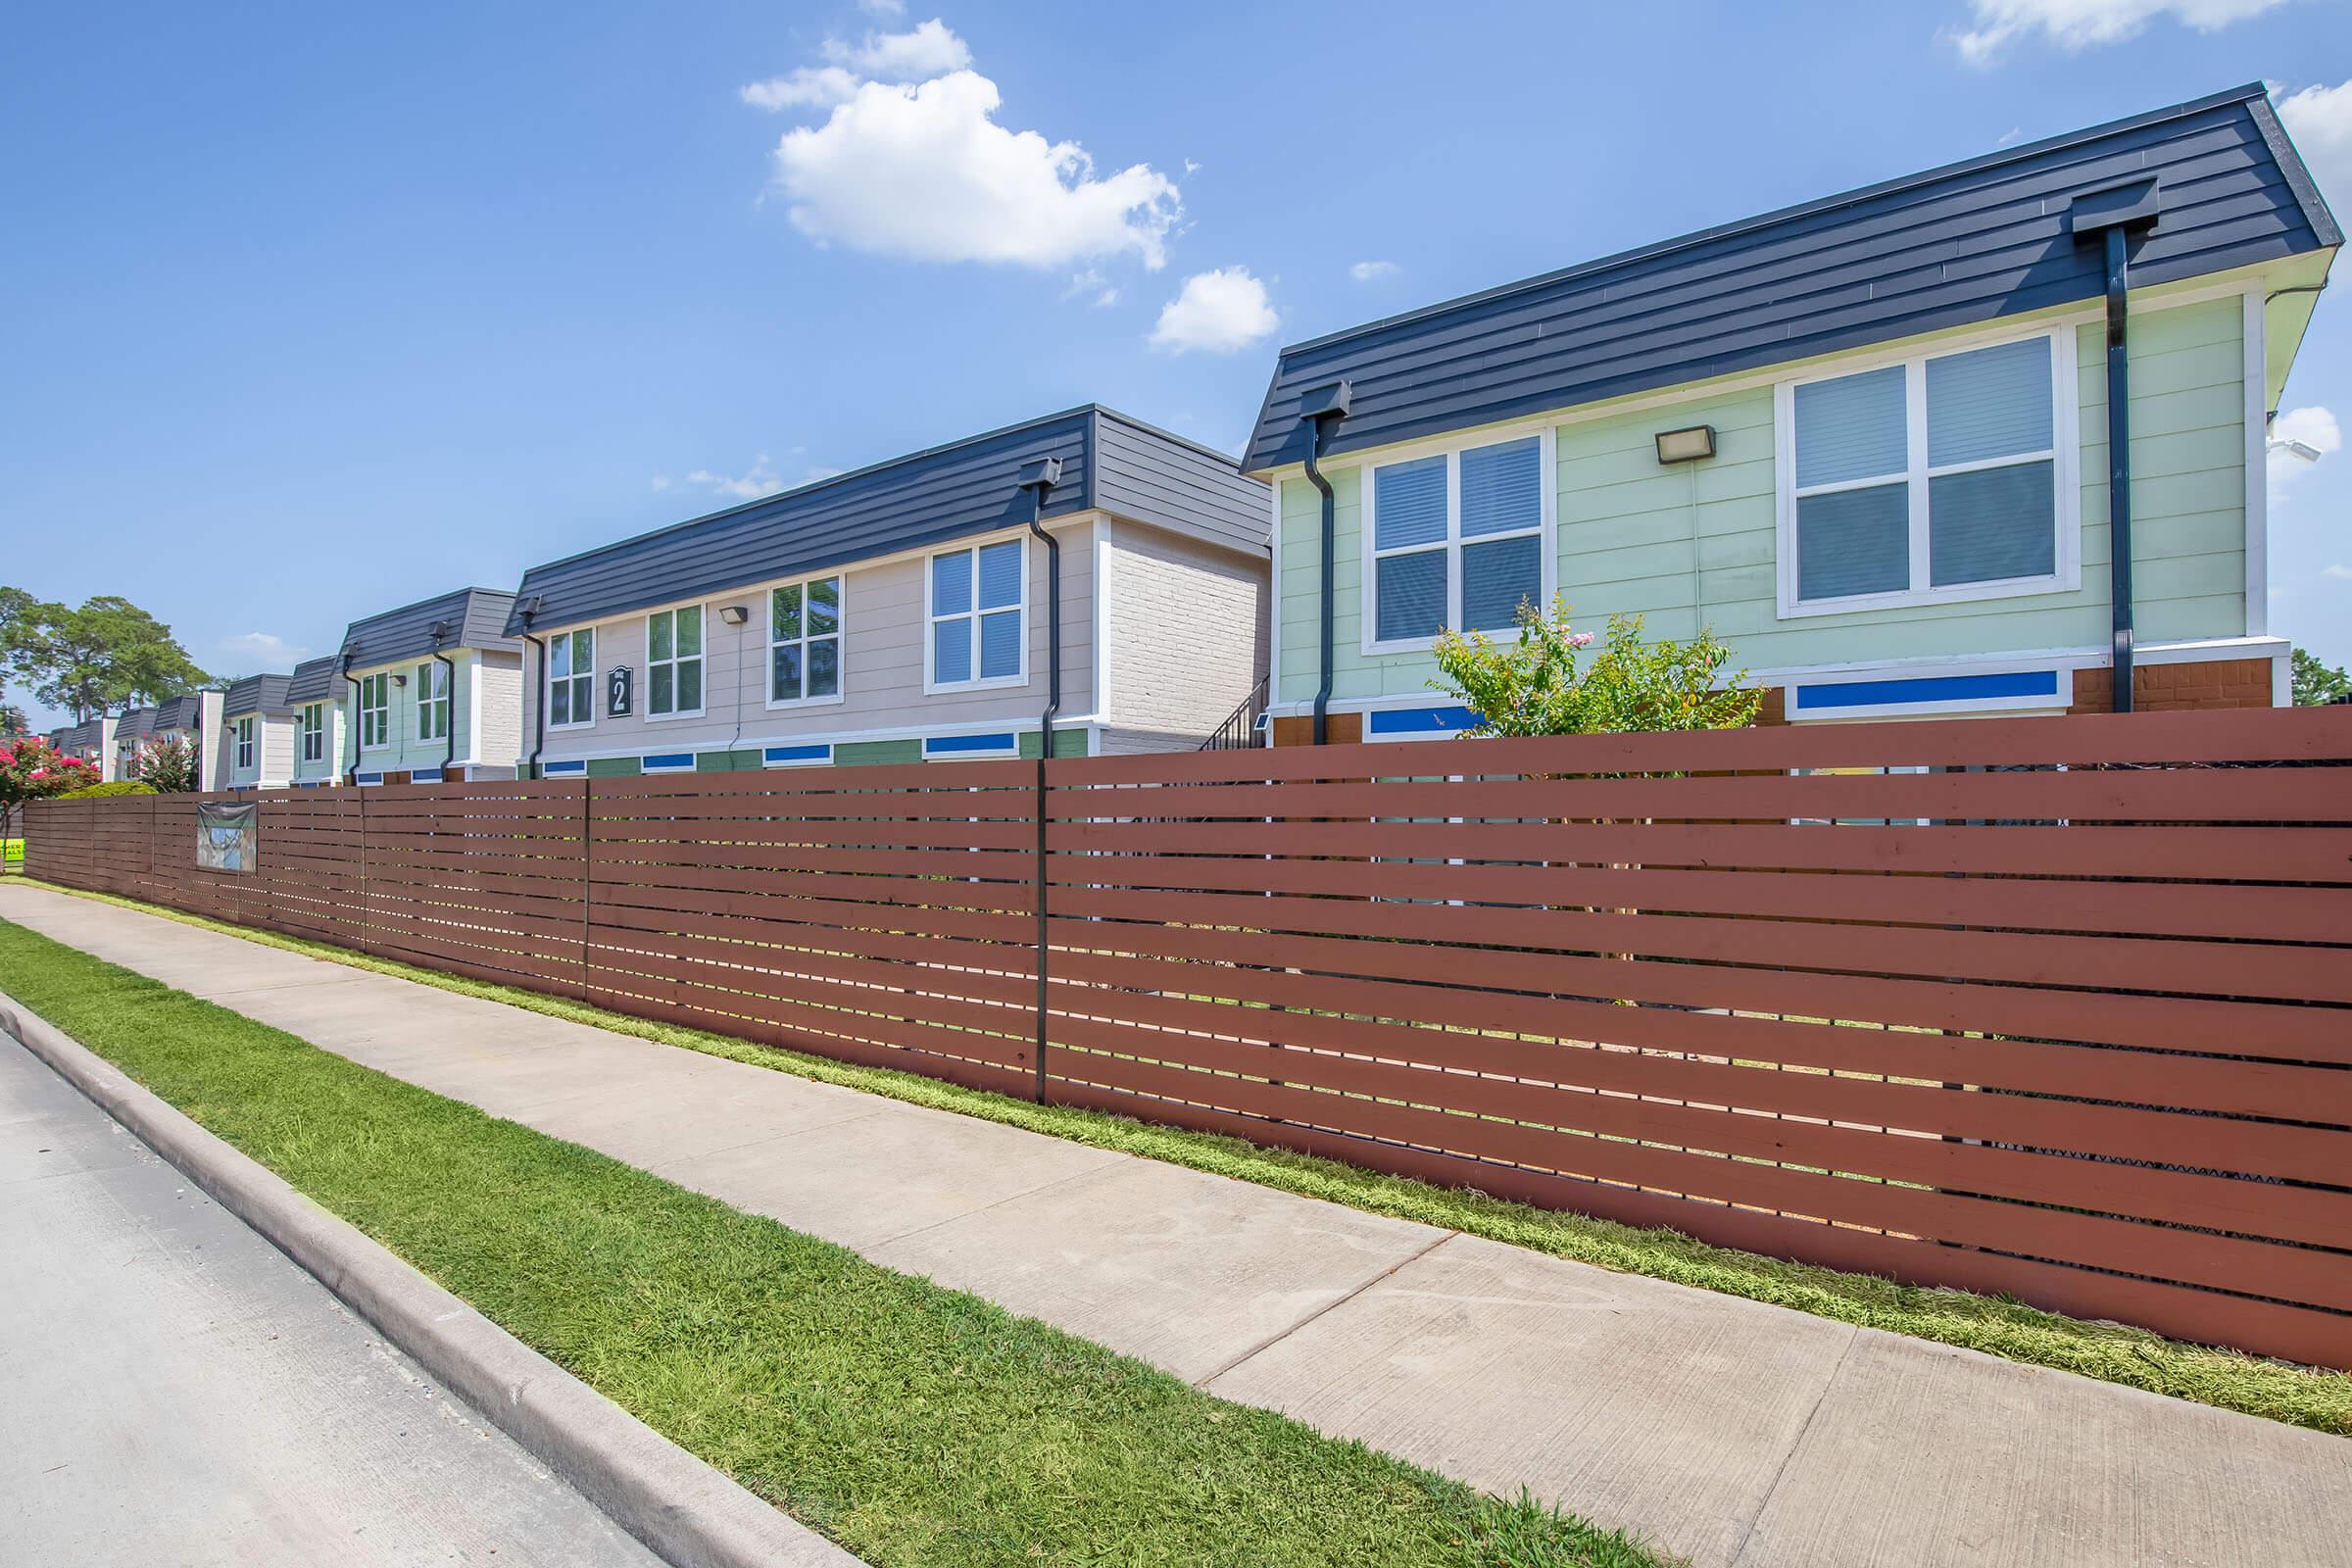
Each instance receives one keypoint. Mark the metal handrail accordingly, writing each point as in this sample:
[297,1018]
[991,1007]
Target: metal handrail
[1239,732]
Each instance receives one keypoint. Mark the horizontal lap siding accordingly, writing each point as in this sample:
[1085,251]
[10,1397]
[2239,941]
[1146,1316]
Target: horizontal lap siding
[2077,1033]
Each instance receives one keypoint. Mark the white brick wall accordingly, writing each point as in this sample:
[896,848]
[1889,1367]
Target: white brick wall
[1186,624]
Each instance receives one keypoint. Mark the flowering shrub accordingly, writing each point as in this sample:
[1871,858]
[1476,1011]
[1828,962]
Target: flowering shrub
[166,766]
[1533,685]
[31,769]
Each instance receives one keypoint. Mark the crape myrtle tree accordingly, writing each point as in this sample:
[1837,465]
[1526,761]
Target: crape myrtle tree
[31,769]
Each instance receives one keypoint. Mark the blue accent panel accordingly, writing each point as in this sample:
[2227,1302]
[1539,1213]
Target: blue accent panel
[797,754]
[1928,689]
[560,769]
[676,760]
[1956,246]
[933,497]
[1419,720]
[949,745]
[367,778]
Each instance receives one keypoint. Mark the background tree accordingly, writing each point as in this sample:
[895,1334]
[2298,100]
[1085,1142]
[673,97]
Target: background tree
[1540,683]
[107,653]
[13,722]
[2315,682]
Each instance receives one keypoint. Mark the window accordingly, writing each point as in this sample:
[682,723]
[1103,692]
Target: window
[313,732]
[804,641]
[673,662]
[1941,478]
[1458,539]
[375,710]
[571,679]
[976,599]
[432,701]
[244,743]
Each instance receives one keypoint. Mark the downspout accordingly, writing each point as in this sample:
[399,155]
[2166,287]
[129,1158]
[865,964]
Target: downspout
[2112,216]
[449,735]
[350,775]
[1319,410]
[530,612]
[1037,478]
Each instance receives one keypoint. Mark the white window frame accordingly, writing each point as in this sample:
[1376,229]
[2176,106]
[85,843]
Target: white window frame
[840,636]
[701,660]
[2065,457]
[245,749]
[932,685]
[311,722]
[434,701]
[379,709]
[1545,532]
[547,693]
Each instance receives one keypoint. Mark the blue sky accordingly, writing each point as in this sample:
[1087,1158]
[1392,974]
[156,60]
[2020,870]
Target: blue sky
[315,311]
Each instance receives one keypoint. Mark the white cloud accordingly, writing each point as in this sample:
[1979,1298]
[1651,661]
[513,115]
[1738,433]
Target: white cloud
[2339,572]
[929,50]
[661,482]
[924,170]
[1219,312]
[2080,23]
[1092,282]
[808,88]
[761,481]
[883,8]
[1372,272]
[2314,427]
[2320,119]
[264,648]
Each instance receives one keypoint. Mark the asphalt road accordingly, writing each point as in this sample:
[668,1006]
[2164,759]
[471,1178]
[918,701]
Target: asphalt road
[175,1392]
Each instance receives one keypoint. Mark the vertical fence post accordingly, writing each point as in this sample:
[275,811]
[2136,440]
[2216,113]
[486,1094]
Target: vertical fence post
[1044,745]
[587,877]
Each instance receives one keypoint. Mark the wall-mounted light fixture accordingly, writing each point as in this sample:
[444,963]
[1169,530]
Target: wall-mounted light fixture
[734,615]
[399,680]
[1687,445]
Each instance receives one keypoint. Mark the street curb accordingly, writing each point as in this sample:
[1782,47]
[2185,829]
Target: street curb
[683,1510]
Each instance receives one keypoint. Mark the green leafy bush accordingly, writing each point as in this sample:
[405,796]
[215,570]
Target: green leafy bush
[94,792]
[1533,685]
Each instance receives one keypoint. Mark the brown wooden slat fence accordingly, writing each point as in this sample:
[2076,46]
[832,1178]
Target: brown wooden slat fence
[2068,1014]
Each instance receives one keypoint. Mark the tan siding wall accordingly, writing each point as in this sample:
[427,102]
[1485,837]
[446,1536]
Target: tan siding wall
[500,735]
[1187,627]
[882,665]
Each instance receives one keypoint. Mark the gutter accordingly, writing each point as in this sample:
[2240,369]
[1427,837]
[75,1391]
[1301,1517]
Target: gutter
[449,731]
[1038,478]
[1321,409]
[350,775]
[2109,217]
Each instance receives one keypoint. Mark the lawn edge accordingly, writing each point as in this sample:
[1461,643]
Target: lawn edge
[2109,1353]
[684,1510]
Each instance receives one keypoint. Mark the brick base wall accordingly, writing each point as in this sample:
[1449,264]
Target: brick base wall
[2171,688]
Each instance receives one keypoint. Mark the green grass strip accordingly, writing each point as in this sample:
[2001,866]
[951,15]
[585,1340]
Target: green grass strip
[2113,1352]
[912,1424]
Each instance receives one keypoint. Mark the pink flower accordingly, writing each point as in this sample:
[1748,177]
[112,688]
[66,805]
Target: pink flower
[38,772]
[1580,639]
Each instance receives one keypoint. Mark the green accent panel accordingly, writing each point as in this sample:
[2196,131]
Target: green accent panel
[725,761]
[1695,546]
[613,767]
[1067,743]
[852,753]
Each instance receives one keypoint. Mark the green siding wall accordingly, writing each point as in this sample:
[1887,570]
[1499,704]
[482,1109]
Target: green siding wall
[1067,743]
[1693,545]
[853,752]
[613,767]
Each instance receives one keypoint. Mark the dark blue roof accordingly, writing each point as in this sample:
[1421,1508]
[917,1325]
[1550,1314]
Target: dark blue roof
[1966,243]
[180,713]
[257,694]
[314,679]
[471,617]
[1108,461]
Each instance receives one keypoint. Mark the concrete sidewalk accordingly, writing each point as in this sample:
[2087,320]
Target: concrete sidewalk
[1735,1433]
